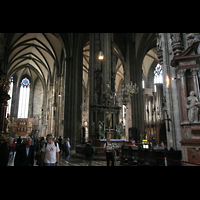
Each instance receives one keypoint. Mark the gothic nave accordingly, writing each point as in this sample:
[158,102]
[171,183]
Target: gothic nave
[99,85]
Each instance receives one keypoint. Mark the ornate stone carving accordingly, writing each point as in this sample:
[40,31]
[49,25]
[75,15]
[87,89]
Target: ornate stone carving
[119,128]
[176,43]
[187,133]
[2,45]
[192,38]
[192,106]
[108,97]
[176,37]
[181,72]
[8,123]
[194,71]
[98,82]
[100,127]
[159,42]
[159,48]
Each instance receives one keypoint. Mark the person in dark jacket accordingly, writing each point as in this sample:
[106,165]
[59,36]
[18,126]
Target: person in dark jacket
[5,151]
[88,151]
[25,154]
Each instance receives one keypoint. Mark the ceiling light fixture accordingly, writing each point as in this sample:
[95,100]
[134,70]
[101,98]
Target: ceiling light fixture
[101,56]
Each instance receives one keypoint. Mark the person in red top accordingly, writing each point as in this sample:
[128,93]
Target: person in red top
[13,145]
[132,142]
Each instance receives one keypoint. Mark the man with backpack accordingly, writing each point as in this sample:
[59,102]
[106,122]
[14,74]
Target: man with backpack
[50,155]
[88,151]
[109,149]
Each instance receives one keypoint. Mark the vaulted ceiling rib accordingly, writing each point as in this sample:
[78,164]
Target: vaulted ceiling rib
[42,51]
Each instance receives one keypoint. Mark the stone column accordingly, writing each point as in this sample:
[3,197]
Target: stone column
[61,105]
[194,72]
[107,60]
[183,97]
[94,44]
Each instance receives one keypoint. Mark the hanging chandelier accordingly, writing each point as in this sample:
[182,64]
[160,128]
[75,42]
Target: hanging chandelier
[130,89]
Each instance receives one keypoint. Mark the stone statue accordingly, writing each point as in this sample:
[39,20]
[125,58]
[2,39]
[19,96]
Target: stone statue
[100,127]
[8,124]
[92,127]
[119,128]
[6,87]
[192,106]
[159,42]
[116,100]
[175,37]
[108,121]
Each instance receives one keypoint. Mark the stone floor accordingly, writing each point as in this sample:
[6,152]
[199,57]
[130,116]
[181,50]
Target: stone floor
[74,161]
[80,162]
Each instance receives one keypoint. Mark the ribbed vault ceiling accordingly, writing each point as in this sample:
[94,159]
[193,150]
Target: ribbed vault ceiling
[40,52]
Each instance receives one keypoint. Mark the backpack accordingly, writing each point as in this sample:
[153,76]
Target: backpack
[107,144]
[54,143]
[64,145]
[89,151]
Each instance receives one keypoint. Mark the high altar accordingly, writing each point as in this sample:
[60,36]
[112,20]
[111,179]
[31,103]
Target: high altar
[22,126]
[104,107]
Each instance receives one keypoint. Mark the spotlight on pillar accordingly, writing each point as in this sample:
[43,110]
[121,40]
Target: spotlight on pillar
[101,56]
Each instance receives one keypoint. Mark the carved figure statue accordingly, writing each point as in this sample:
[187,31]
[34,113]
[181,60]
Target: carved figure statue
[192,106]
[119,128]
[175,37]
[100,127]
[159,42]
[92,127]
[108,121]
[8,123]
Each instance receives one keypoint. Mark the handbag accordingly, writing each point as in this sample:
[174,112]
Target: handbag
[11,159]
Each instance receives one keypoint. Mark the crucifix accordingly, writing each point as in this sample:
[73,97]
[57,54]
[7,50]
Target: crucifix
[167,121]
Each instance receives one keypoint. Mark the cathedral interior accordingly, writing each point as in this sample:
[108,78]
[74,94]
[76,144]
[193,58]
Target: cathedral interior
[99,85]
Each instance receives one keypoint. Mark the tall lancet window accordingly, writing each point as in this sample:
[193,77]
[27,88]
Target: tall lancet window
[10,93]
[158,77]
[24,98]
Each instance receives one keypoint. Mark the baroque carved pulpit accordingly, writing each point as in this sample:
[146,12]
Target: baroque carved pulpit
[187,71]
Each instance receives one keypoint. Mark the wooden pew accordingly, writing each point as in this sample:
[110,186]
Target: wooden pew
[132,155]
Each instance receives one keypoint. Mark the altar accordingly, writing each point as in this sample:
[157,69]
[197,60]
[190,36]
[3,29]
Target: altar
[101,142]
[22,126]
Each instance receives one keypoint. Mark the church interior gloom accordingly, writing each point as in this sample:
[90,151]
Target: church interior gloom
[99,99]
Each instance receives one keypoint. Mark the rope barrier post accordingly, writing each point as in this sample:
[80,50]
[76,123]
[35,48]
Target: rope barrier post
[165,161]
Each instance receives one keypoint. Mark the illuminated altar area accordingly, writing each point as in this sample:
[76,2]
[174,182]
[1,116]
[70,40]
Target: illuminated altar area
[22,126]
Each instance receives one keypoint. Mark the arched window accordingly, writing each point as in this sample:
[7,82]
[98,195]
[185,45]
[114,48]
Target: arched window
[143,84]
[158,77]
[10,93]
[24,98]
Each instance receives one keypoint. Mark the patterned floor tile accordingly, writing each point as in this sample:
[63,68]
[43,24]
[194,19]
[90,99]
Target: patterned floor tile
[80,162]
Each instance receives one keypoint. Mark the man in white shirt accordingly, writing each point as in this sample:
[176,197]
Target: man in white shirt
[50,155]
[109,148]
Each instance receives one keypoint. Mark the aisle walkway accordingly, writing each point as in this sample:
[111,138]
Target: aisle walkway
[80,162]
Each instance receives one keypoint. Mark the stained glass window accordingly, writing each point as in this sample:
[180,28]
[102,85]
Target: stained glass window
[24,98]
[158,77]
[25,82]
